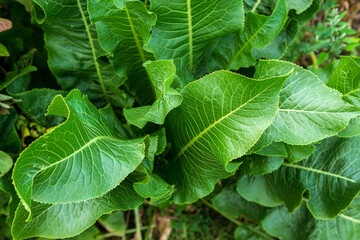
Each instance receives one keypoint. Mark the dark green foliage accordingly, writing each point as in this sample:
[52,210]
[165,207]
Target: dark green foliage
[107,104]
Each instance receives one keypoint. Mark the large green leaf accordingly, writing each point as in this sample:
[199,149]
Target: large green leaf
[221,117]
[330,178]
[235,50]
[162,75]
[185,29]
[346,79]
[308,110]
[68,220]
[124,31]
[81,159]
[301,225]
[73,50]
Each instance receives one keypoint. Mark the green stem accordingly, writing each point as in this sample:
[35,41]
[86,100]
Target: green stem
[255,6]
[146,3]
[138,45]
[107,235]
[236,221]
[142,229]
[137,223]
[97,67]
[150,224]
[314,59]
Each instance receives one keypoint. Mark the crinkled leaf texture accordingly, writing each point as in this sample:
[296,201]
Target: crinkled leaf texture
[161,75]
[124,31]
[329,177]
[185,31]
[79,160]
[221,117]
[73,51]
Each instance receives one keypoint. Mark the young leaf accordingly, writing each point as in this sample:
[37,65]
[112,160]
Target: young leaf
[6,163]
[68,220]
[221,117]
[308,110]
[81,159]
[124,31]
[185,30]
[235,50]
[4,51]
[330,176]
[162,75]
[155,188]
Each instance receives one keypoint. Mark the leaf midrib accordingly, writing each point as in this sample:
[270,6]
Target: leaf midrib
[137,42]
[138,46]
[349,218]
[197,137]
[318,171]
[188,2]
[97,67]
[77,151]
[306,111]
